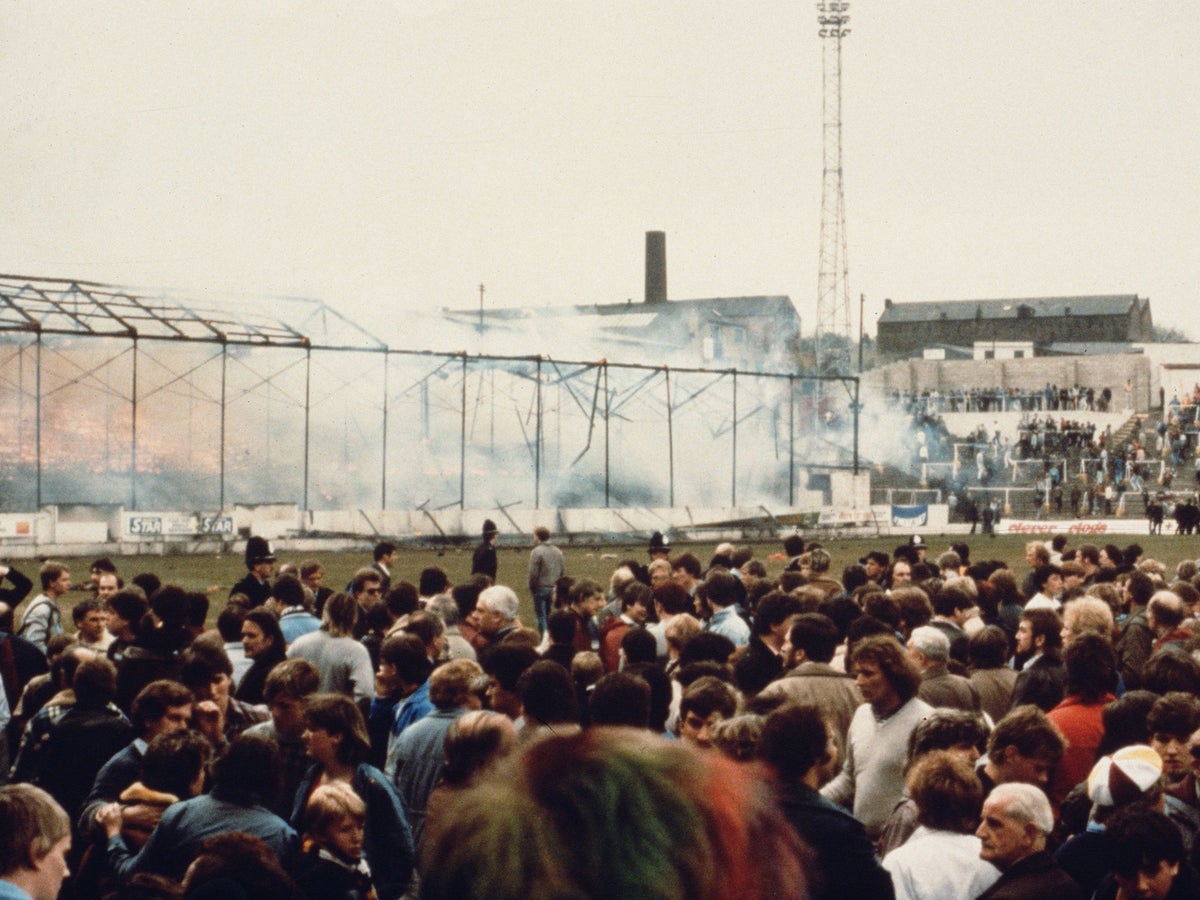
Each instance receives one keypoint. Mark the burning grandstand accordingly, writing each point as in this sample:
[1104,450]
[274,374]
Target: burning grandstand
[137,402]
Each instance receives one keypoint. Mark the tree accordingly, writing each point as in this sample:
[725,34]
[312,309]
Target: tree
[1169,334]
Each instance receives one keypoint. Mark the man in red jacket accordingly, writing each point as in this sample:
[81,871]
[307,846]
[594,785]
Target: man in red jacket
[1091,678]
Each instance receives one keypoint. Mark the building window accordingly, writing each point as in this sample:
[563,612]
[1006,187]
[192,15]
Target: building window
[714,334]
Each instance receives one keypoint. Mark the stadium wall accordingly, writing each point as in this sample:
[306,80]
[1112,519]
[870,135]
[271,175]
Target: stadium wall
[83,529]
[1099,372]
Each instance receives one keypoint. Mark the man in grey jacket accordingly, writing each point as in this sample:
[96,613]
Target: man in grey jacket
[545,568]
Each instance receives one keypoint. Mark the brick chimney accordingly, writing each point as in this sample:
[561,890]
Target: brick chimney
[656,267]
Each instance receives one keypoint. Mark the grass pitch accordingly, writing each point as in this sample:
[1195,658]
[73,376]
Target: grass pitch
[216,573]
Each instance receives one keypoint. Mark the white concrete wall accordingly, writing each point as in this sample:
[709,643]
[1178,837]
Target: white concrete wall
[286,525]
[1096,372]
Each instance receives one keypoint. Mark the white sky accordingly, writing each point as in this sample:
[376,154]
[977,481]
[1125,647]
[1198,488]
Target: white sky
[392,156]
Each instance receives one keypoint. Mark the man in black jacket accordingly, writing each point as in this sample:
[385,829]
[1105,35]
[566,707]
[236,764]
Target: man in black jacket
[20,660]
[64,757]
[798,746]
[1043,677]
[260,565]
[1015,824]
[483,561]
[763,660]
[1137,640]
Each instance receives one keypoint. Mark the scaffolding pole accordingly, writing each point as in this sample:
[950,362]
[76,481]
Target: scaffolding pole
[307,416]
[37,358]
[224,406]
[607,401]
[537,443]
[733,493]
[462,440]
[791,440]
[133,435]
[383,462]
[670,440]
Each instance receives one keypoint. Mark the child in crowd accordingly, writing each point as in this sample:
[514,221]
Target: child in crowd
[331,866]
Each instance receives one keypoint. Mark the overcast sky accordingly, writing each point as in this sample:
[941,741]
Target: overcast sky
[393,156]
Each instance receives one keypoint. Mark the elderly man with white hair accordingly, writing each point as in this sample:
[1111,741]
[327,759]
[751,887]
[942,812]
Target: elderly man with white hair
[1013,829]
[929,649]
[496,612]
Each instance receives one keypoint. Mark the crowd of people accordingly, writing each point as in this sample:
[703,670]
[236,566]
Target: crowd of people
[1061,466]
[1051,398]
[920,727]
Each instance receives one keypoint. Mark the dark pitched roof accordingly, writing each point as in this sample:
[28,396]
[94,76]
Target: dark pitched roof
[1104,305]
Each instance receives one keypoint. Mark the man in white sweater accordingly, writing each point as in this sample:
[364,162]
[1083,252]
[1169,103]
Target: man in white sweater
[872,778]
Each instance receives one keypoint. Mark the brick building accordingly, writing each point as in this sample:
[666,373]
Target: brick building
[905,329]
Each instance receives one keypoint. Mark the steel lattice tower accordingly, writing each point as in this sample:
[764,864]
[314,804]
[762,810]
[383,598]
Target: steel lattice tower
[833,292]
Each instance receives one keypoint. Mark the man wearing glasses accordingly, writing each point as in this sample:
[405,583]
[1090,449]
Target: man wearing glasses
[367,589]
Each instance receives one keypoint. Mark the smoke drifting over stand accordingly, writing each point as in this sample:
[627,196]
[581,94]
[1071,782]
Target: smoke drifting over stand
[161,404]
[343,429]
